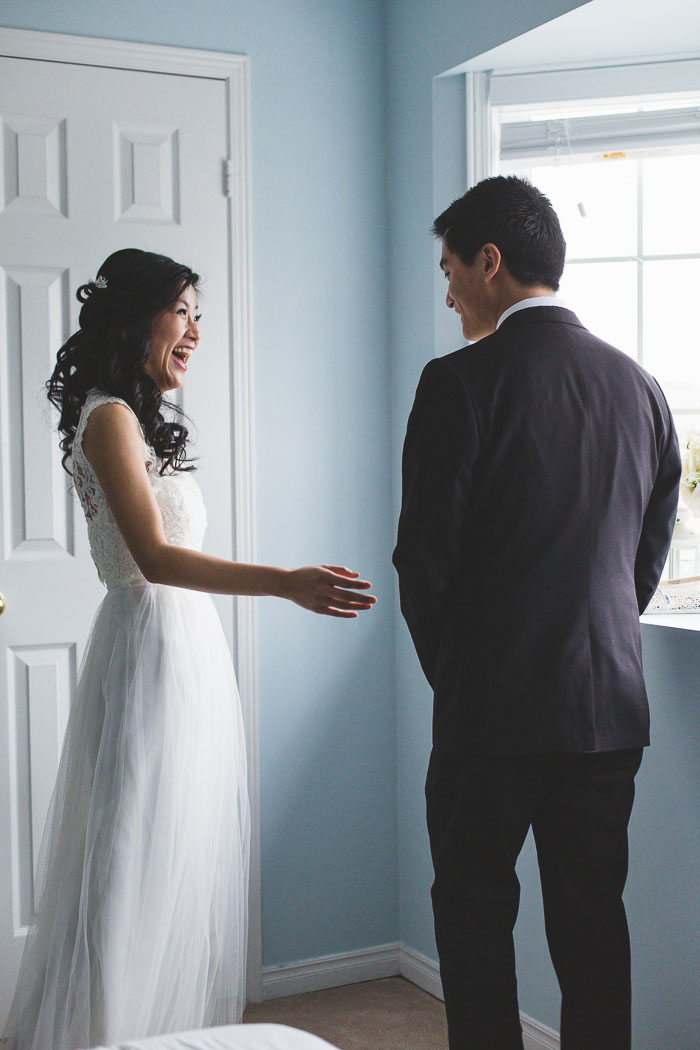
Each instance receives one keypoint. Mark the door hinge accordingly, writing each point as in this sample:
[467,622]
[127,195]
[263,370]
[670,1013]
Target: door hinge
[227,177]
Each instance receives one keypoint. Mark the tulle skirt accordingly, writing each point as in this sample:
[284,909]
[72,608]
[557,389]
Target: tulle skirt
[142,882]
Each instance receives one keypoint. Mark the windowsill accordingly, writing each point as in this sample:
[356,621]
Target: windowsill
[679,621]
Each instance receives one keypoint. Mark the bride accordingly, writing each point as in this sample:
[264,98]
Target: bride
[142,884]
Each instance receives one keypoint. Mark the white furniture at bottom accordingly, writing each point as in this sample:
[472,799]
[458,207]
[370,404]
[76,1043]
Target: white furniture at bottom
[230,1037]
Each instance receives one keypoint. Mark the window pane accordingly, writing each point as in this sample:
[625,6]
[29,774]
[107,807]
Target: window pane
[671,218]
[606,191]
[671,342]
[604,296]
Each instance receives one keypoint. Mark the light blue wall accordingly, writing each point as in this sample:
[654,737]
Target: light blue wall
[662,895]
[327,731]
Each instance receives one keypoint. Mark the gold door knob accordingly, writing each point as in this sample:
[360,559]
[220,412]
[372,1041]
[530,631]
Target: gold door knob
[2,604]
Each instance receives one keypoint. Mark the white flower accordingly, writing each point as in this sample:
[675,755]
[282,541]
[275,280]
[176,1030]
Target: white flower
[690,477]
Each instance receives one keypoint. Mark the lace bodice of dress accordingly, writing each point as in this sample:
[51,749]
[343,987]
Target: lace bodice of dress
[177,495]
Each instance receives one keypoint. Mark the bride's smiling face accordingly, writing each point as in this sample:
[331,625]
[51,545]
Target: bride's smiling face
[174,337]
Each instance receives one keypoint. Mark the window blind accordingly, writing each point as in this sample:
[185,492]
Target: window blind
[608,133]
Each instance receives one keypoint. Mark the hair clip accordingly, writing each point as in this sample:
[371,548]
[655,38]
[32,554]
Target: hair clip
[101,282]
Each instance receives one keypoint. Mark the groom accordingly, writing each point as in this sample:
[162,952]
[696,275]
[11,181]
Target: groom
[540,478]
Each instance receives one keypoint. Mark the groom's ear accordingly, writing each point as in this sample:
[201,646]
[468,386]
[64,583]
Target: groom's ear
[491,261]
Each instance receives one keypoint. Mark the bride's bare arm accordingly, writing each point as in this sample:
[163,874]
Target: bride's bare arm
[113,444]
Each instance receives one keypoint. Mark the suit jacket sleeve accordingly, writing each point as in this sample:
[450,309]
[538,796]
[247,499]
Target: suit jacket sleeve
[659,519]
[439,452]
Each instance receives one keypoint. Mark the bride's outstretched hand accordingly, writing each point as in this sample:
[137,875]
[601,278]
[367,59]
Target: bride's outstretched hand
[328,589]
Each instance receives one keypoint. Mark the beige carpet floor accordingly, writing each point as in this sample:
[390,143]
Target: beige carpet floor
[391,1014]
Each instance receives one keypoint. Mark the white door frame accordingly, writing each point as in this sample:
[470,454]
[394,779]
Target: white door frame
[233,71]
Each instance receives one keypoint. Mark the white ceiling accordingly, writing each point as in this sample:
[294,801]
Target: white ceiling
[600,30]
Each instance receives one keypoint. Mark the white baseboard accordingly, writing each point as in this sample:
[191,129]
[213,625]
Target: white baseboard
[537,1036]
[371,964]
[331,971]
[420,970]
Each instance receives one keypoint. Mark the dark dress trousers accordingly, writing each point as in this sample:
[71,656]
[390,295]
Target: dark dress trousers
[540,485]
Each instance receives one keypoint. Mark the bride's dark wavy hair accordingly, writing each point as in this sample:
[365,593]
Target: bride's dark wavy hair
[112,345]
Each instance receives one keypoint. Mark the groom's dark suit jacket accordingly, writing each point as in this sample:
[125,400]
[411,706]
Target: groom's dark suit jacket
[540,481]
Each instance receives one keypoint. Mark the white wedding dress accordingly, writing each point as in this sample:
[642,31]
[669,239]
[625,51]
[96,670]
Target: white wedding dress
[142,883]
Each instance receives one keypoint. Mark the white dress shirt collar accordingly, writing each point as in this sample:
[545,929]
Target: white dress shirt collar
[537,300]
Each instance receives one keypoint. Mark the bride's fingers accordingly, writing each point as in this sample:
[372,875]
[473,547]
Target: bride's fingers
[331,611]
[342,570]
[348,577]
[355,585]
[352,601]
[351,596]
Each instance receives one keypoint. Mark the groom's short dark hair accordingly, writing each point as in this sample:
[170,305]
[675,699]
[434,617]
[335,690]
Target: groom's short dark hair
[511,213]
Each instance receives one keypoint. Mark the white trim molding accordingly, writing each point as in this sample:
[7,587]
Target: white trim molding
[372,964]
[118,54]
[331,971]
[233,71]
[538,1036]
[420,970]
[479,128]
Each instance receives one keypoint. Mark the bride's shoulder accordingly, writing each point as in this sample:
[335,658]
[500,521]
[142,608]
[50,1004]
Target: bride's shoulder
[105,409]
[105,420]
[110,415]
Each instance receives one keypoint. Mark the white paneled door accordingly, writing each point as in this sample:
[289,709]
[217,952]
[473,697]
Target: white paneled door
[92,160]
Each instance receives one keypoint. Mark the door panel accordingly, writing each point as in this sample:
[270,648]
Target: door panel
[93,159]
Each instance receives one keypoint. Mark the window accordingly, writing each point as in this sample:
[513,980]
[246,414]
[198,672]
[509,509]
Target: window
[623,178]
[623,173]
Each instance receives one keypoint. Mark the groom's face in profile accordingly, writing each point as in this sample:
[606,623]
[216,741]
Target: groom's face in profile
[466,293]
